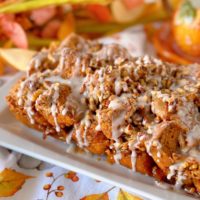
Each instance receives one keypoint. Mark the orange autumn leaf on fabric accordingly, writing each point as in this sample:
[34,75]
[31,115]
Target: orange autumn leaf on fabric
[123,195]
[11,181]
[103,196]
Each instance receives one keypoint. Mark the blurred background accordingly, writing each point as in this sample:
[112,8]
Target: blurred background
[171,26]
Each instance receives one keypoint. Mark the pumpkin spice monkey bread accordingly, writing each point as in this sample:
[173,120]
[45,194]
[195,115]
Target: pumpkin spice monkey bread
[139,112]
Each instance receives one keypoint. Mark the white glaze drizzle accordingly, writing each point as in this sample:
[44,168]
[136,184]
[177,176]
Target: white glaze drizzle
[74,99]
[64,111]
[98,127]
[28,108]
[61,64]
[142,101]
[38,59]
[69,137]
[30,82]
[172,170]
[159,94]
[158,146]
[86,123]
[133,155]
[108,53]
[115,104]
[82,138]
[151,129]
[28,102]
[54,109]
[162,185]
[101,81]
[118,86]
[158,154]
[79,138]
[118,104]
[118,155]
[20,92]
[180,180]
[77,67]
[31,79]
[133,160]
[116,122]
[148,147]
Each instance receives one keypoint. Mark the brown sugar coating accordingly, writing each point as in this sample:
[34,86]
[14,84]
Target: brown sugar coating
[140,112]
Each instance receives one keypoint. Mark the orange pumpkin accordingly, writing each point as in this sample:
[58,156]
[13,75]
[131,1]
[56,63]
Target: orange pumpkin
[186,28]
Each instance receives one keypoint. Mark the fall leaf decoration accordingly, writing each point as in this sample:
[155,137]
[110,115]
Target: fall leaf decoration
[11,181]
[67,27]
[13,31]
[123,195]
[103,196]
[58,191]
[35,4]
[72,175]
[22,56]
[49,187]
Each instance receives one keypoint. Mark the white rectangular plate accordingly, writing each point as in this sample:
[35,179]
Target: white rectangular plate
[18,137]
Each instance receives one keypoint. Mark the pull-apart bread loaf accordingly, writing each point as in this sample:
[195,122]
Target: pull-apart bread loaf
[140,112]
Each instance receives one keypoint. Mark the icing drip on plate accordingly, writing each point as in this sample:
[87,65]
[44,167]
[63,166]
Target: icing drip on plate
[118,155]
[79,138]
[133,155]
[69,137]
[175,170]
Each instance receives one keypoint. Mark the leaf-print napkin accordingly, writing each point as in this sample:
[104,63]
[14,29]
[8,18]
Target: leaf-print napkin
[26,178]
